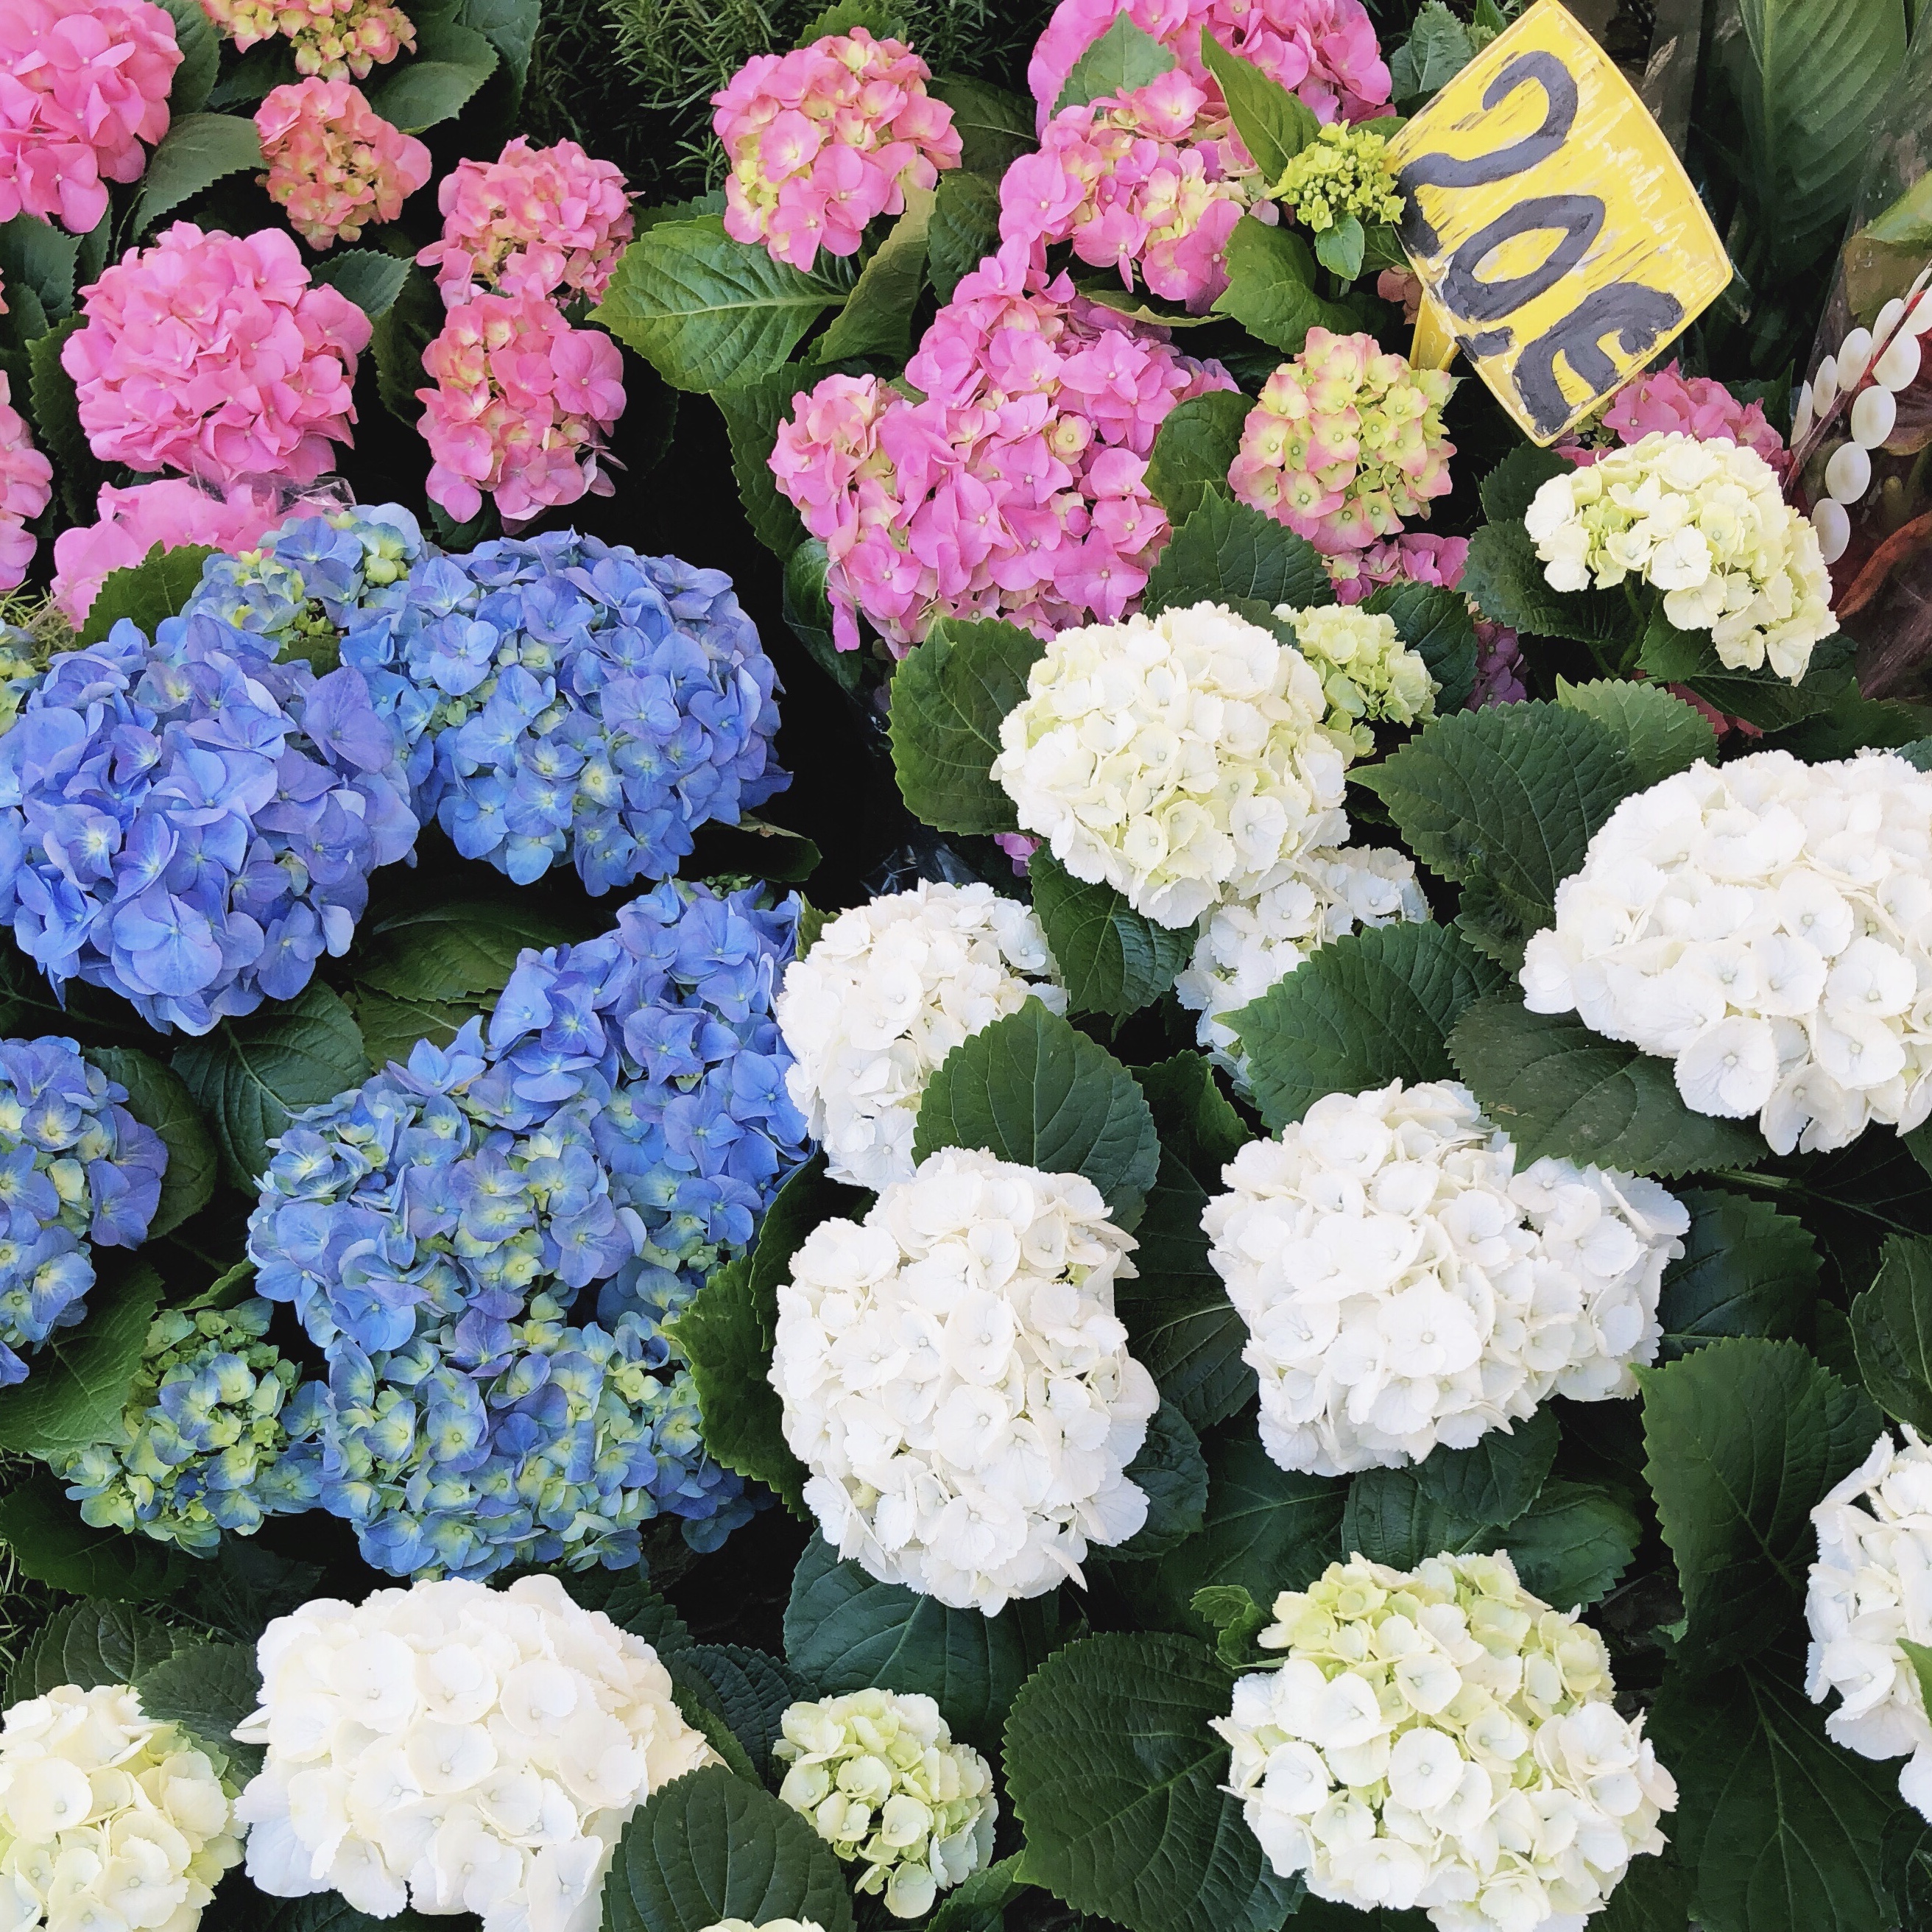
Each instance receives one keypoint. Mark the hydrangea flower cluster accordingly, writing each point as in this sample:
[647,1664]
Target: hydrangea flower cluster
[888,990]
[458,1749]
[213,1437]
[82,84]
[75,1167]
[1346,440]
[1017,488]
[22,658]
[915,1351]
[26,487]
[1706,523]
[108,1817]
[1767,925]
[1368,675]
[335,39]
[823,138]
[1180,759]
[213,354]
[878,1774]
[1343,171]
[335,165]
[1439,1738]
[1404,1286]
[1658,401]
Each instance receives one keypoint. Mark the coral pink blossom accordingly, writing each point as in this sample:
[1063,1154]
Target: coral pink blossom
[1017,488]
[521,406]
[823,138]
[213,354]
[1666,399]
[82,84]
[1324,49]
[333,38]
[335,164]
[26,483]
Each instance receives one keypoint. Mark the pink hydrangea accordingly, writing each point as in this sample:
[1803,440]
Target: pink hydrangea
[335,164]
[823,138]
[212,354]
[1324,50]
[334,38]
[534,220]
[1667,400]
[1017,488]
[26,483]
[82,84]
[521,407]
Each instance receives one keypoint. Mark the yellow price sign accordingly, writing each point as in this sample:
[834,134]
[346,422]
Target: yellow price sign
[1550,223]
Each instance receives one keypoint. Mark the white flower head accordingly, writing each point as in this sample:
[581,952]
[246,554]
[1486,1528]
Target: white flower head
[456,1749]
[954,1376]
[1404,1286]
[887,990]
[1368,675]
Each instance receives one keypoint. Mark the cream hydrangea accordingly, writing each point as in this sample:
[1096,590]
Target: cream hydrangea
[887,992]
[884,1785]
[954,1376]
[1439,1738]
[456,1749]
[110,1821]
[1707,523]
[1369,676]
[1181,758]
[1767,925]
[1404,1286]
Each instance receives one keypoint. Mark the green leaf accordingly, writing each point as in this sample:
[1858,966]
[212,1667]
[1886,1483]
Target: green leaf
[1195,1121]
[979,1902]
[964,229]
[635,1606]
[1271,289]
[1194,450]
[1227,551]
[1905,1868]
[452,62]
[239,1907]
[752,412]
[511,27]
[1742,1438]
[37,255]
[1274,124]
[1761,698]
[1112,961]
[401,334]
[88,1644]
[949,694]
[1031,1090]
[753,1692]
[48,1541]
[158,1098]
[391,1027]
[1509,489]
[149,591]
[56,409]
[208,1689]
[1122,59]
[1571,1544]
[1172,1470]
[1660,734]
[1892,1324]
[878,19]
[876,318]
[459,950]
[1435,624]
[80,1377]
[994,127]
[1454,1499]
[197,151]
[1116,1777]
[807,610]
[1339,248]
[370,280]
[201,56]
[1437,50]
[1503,577]
[1746,1269]
[1235,1617]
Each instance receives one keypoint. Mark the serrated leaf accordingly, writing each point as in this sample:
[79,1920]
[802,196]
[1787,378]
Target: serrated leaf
[147,592]
[1124,57]
[35,255]
[391,1028]
[1761,698]
[1229,551]
[239,1907]
[807,610]
[1746,1269]
[1112,959]
[1171,1470]
[48,1540]
[1502,576]
[1195,1121]
[994,127]
[979,1902]
[208,1689]
[1509,489]
[1271,289]
[753,1692]
[964,229]
[949,696]
[876,318]
[372,281]
[78,1380]
[1194,450]
[459,950]
[404,330]
[1660,734]
[1571,1544]
[878,19]
[1456,1500]
[452,62]
[88,1644]
[1274,124]
[57,422]
[158,1098]
[752,412]
[1905,1865]
[511,27]
[1435,624]
[1437,48]
[201,56]
[1892,1324]
[197,151]
[635,1606]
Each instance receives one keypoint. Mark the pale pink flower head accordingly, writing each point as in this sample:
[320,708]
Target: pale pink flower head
[335,39]
[214,354]
[335,164]
[82,84]
[1667,400]
[26,485]
[823,139]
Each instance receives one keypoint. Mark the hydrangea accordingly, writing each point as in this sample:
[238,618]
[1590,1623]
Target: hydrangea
[213,354]
[878,1774]
[26,487]
[1656,401]
[823,138]
[1439,1738]
[210,1439]
[1179,759]
[23,657]
[108,1817]
[1346,440]
[914,1355]
[1018,488]
[1404,1286]
[1706,523]
[457,1749]
[190,824]
[1499,667]
[1767,925]
[888,990]
[1368,675]
[335,165]
[333,38]
[82,84]
[1343,172]
[75,1167]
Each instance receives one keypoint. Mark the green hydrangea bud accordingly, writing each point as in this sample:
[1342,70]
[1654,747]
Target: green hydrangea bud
[1368,674]
[1343,171]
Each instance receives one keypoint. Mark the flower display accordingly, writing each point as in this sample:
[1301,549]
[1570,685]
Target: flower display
[1179,759]
[458,1749]
[1659,401]
[1802,1005]
[335,165]
[878,1774]
[335,39]
[1346,441]
[1368,675]
[823,138]
[984,1286]
[26,487]
[1707,524]
[886,993]
[1439,1738]
[213,354]
[82,84]
[1405,1286]
[1343,172]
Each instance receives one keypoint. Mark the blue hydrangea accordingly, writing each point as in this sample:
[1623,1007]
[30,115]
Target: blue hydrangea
[75,1167]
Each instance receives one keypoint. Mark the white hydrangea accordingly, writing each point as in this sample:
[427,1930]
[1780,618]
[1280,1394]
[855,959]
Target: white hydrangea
[110,1821]
[1439,1738]
[1707,523]
[1179,759]
[1768,924]
[1369,676]
[954,1376]
[887,990]
[1404,1286]
[884,1785]
[456,1749]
